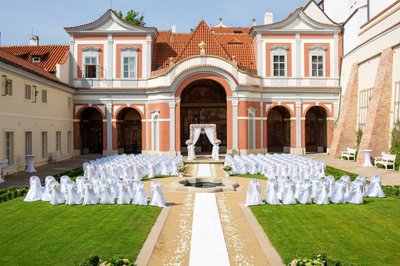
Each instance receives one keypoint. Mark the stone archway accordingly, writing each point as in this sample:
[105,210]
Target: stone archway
[203,102]
[316,129]
[129,128]
[278,129]
[91,131]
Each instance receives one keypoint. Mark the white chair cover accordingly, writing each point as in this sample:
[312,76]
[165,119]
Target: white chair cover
[72,197]
[288,193]
[35,190]
[80,181]
[339,194]
[123,193]
[140,194]
[46,194]
[253,193]
[321,195]
[157,195]
[56,197]
[271,192]
[89,195]
[305,192]
[356,193]
[63,186]
[375,189]
[106,193]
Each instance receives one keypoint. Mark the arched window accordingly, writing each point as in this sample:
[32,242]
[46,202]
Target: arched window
[317,61]
[90,62]
[279,61]
[129,62]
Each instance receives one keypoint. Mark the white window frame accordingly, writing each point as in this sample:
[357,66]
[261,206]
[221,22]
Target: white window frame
[278,51]
[28,142]
[317,51]
[9,146]
[91,52]
[69,136]
[129,51]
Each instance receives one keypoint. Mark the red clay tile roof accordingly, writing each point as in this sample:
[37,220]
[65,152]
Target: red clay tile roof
[50,54]
[221,42]
[23,64]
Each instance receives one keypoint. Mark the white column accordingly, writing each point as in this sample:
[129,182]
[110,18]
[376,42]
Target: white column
[147,57]
[172,127]
[335,58]
[262,127]
[260,56]
[147,127]
[235,140]
[109,126]
[299,148]
[110,53]
[73,69]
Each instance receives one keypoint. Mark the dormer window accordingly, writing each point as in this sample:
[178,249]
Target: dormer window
[36,59]
[129,62]
[90,62]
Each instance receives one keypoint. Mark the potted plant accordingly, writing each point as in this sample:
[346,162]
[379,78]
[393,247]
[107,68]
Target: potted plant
[227,170]
[181,170]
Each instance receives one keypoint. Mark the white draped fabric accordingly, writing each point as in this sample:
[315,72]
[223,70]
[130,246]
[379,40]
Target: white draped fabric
[253,193]
[157,195]
[35,191]
[211,132]
[295,179]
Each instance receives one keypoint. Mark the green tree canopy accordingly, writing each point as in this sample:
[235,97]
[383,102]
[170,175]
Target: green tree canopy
[132,17]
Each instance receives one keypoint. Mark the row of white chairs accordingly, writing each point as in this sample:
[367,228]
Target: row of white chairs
[322,191]
[90,192]
[132,166]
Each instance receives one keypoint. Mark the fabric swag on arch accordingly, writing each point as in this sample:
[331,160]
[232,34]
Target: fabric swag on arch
[211,132]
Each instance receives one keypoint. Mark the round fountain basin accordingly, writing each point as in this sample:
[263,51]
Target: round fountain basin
[204,184]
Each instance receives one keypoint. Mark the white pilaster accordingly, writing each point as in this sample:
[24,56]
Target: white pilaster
[109,126]
[72,62]
[335,58]
[260,56]
[147,127]
[110,53]
[299,148]
[298,59]
[147,57]
[172,127]
[235,128]
[262,127]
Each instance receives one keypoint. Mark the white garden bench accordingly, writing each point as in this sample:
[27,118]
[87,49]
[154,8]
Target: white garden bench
[349,153]
[386,160]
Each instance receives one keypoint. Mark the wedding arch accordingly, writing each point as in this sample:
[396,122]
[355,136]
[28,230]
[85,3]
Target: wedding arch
[211,132]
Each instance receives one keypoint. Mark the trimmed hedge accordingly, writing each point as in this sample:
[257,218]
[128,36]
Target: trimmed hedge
[73,174]
[12,193]
[338,173]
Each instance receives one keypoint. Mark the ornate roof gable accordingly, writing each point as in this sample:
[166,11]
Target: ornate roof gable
[110,22]
[203,33]
[298,21]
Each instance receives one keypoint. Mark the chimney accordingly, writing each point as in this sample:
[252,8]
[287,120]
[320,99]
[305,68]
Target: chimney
[220,24]
[254,22]
[173,28]
[268,18]
[34,40]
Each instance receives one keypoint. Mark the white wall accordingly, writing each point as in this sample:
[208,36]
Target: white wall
[352,28]
[376,6]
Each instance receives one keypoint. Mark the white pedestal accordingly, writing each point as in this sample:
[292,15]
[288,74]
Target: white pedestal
[367,158]
[2,165]
[30,163]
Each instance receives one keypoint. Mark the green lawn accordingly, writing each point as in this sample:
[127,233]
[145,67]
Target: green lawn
[367,234]
[41,234]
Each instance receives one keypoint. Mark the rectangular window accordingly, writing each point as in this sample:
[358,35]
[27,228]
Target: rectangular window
[28,92]
[44,145]
[9,147]
[9,87]
[6,86]
[396,115]
[90,67]
[69,142]
[28,142]
[129,66]
[279,66]
[44,96]
[58,141]
[317,66]
[363,103]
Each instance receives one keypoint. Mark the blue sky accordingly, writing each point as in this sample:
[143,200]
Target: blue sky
[49,17]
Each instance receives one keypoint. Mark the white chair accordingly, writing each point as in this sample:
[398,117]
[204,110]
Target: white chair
[288,193]
[271,192]
[140,194]
[339,194]
[123,194]
[89,195]
[305,192]
[106,193]
[72,196]
[356,193]
[157,195]
[375,189]
[56,197]
[35,190]
[63,180]
[321,195]
[253,193]
[46,196]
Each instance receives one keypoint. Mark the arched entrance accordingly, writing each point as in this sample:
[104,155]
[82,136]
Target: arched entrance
[316,130]
[203,102]
[129,128]
[278,130]
[91,131]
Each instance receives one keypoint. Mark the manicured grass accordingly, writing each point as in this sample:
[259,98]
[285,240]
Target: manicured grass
[367,234]
[41,234]
[256,176]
